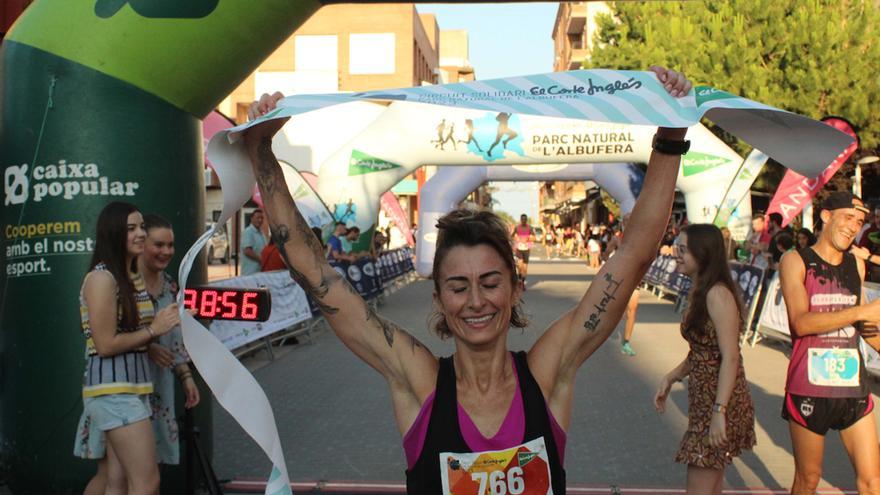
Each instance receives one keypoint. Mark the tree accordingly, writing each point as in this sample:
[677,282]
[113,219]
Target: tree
[813,57]
[508,219]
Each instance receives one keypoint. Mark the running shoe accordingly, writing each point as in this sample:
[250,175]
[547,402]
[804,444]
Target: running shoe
[627,349]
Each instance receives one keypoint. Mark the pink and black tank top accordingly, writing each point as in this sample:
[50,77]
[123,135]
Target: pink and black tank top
[523,237]
[443,430]
[829,365]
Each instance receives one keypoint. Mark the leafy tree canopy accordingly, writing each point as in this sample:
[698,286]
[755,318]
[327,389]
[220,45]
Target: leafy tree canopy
[813,57]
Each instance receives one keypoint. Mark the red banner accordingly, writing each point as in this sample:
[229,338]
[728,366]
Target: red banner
[392,208]
[796,191]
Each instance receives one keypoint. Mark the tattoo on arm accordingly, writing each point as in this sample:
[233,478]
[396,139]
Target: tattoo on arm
[271,180]
[281,235]
[268,170]
[415,343]
[388,327]
[611,287]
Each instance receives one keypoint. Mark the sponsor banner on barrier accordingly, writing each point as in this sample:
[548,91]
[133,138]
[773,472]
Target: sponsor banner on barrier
[662,273]
[774,316]
[871,292]
[289,307]
[749,279]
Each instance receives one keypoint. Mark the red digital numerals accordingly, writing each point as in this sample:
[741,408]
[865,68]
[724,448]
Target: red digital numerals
[220,304]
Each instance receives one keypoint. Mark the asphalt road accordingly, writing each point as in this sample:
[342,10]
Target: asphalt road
[335,421]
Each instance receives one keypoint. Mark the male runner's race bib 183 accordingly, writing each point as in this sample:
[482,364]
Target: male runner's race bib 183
[522,246]
[833,367]
[521,470]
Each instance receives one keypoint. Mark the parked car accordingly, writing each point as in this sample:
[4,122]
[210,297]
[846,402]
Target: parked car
[218,246]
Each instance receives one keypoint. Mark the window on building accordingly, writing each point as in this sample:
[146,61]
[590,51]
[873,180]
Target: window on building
[315,53]
[371,53]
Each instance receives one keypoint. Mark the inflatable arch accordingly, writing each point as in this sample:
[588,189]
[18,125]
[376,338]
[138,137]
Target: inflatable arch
[101,101]
[442,192]
[402,139]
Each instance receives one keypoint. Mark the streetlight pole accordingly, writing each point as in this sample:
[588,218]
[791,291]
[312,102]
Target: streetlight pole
[857,178]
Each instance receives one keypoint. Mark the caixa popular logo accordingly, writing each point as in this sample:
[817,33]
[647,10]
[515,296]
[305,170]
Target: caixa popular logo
[354,273]
[60,180]
[15,185]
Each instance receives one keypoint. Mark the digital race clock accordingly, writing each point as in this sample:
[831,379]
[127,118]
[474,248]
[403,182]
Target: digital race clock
[226,303]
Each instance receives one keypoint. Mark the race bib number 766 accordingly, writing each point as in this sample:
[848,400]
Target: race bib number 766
[521,470]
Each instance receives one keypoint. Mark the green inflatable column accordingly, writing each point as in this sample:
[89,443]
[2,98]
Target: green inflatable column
[101,101]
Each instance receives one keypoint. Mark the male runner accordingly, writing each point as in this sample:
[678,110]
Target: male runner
[826,386]
[523,237]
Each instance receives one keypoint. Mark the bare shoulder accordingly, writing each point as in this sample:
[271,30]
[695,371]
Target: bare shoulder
[99,281]
[719,295]
[791,261]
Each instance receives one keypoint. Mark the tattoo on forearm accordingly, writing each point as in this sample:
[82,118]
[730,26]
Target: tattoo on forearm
[268,170]
[388,327]
[281,235]
[274,188]
[611,288]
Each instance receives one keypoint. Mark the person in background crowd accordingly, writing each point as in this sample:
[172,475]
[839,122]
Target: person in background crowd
[729,244]
[775,229]
[168,357]
[560,240]
[580,243]
[721,416]
[523,236]
[826,385]
[758,241]
[613,244]
[549,240]
[783,242]
[270,259]
[476,298]
[335,252]
[595,251]
[669,237]
[378,244]
[870,240]
[632,307]
[568,240]
[118,322]
[252,243]
[872,224]
[805,239]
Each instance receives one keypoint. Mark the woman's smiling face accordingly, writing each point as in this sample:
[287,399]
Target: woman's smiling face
[476,293]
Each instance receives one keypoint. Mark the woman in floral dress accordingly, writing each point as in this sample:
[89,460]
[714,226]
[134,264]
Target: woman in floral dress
[721,417]
[168,358]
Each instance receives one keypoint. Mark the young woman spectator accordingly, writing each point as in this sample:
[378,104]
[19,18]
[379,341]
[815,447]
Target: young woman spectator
[805,239]
[118,322]
[168,357]
[721,416]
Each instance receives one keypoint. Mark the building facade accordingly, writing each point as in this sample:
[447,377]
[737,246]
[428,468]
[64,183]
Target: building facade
[576,203]
[357,47]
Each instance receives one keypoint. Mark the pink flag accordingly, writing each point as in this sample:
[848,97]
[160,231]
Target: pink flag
[795,190]
[212,124]
[392,208]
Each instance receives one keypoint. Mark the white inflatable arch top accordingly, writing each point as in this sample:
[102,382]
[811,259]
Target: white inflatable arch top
[591,116]
[450,185]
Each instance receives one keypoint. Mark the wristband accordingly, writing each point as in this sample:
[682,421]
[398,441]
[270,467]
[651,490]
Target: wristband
[152,333]
[670,147]
[719,408]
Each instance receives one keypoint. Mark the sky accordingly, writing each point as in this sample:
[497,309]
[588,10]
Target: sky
[505,40]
